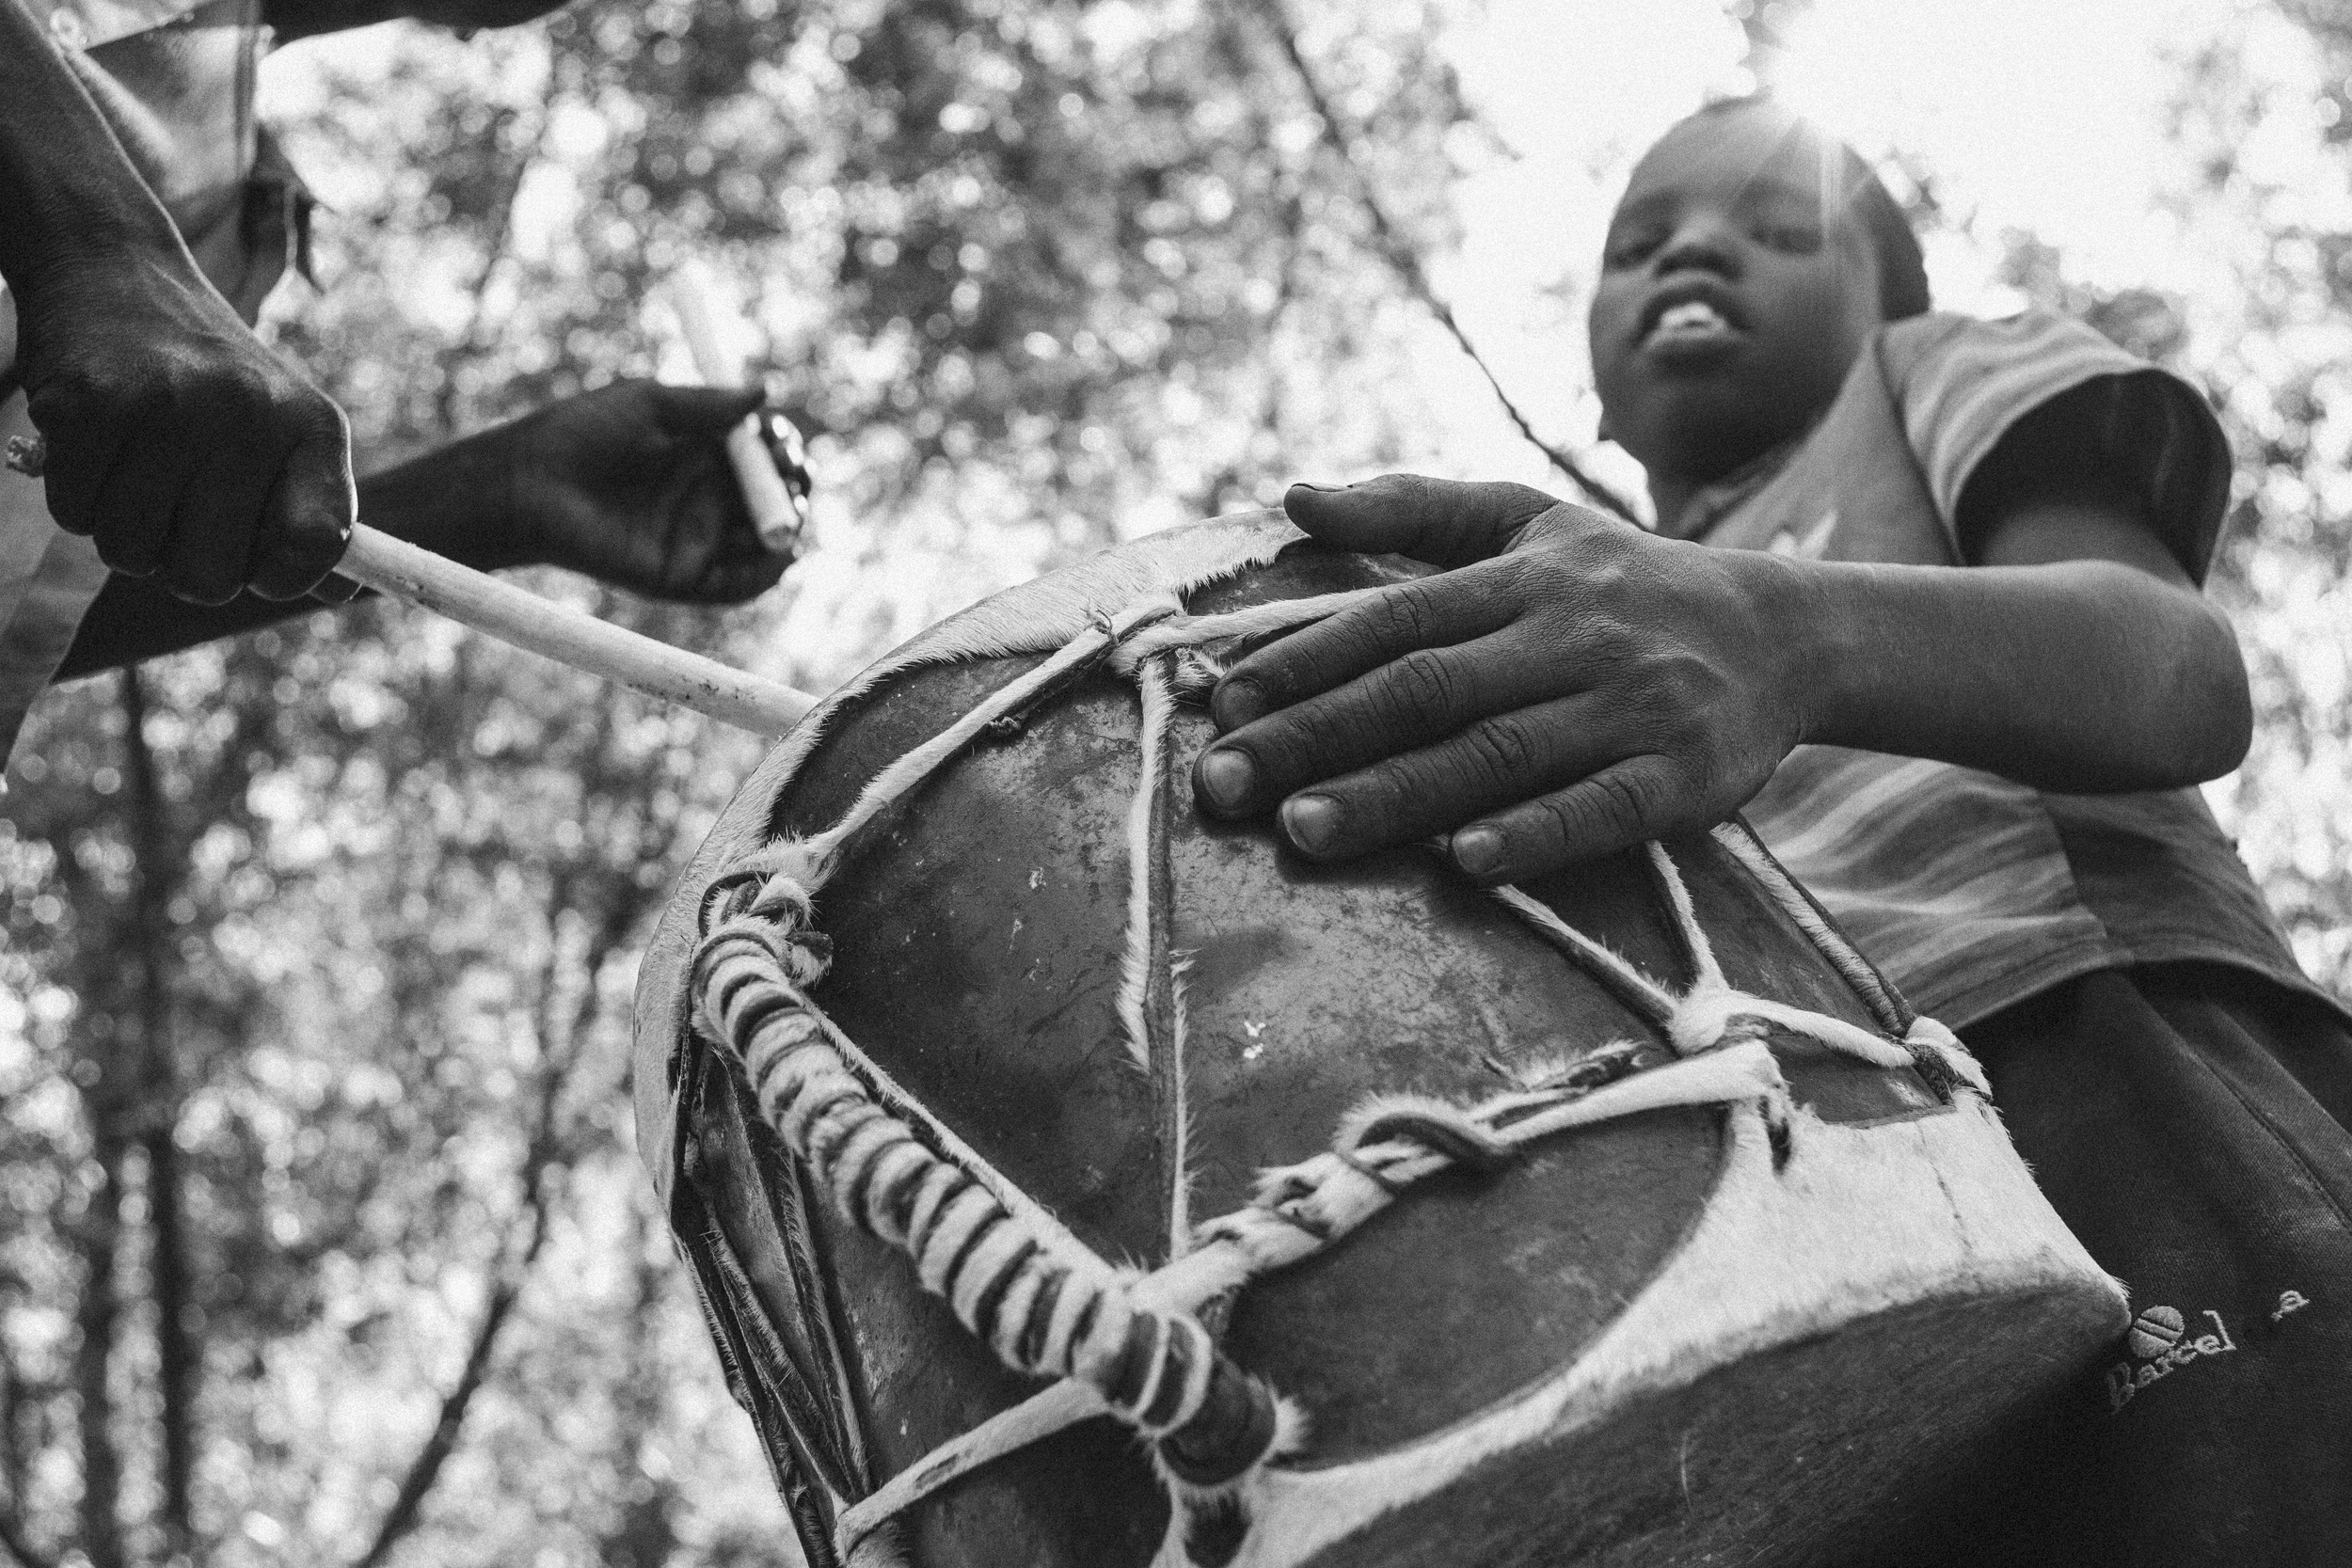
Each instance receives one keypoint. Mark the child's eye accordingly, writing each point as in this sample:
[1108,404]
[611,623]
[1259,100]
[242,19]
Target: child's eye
[1796,239]
[1632,249]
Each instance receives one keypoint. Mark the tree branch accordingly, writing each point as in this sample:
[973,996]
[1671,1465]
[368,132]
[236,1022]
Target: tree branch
[474,342]
[1408,269]
[95,1316]
[540,1159]
[11,1444]
[179,1357]
[408,1504]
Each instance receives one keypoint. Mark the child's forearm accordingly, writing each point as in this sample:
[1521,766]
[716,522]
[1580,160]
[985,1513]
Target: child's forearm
[1573,686]
[2080,675]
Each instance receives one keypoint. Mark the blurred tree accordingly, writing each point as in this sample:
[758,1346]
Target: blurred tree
[323,1240]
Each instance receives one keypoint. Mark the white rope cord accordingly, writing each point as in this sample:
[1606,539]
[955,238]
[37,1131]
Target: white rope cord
[1033,1420]
[1043,1315]
[1636,990]
[1707,973]
[903,776]
[1392,1141]
[764,884]
[1303,1208]
[1193,632]
[1713,1009]
[1939,1054]
[1857,970]
[1180,1180]
[1135,975]
[1145,950]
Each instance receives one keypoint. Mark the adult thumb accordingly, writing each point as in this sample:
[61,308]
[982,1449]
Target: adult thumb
[1443,522]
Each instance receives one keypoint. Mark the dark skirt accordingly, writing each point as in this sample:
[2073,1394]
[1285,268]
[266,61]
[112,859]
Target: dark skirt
[2193,1124]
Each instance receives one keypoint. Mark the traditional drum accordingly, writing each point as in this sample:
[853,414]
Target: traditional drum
[1072,1179]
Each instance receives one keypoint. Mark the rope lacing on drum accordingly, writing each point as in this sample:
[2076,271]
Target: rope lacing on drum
[1130,1343]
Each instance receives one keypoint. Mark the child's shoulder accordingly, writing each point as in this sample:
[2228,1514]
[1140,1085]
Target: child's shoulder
[1938,363]
[1955,386]
[1880,475]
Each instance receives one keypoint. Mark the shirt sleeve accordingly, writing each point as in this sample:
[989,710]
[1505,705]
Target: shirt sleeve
[1960,385]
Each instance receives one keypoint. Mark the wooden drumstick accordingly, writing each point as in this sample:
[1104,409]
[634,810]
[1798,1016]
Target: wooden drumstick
[539,626]
[525,620]
[774,512]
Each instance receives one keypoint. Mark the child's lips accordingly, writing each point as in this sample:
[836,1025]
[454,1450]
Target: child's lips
[1690,328]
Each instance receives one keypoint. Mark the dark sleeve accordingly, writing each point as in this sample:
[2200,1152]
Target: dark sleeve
[300,19]
[1963,385]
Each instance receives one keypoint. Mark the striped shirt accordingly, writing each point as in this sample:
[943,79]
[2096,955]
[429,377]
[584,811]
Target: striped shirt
[1972,890]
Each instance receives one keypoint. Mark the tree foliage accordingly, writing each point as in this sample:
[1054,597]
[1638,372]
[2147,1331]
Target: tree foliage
[324,1236]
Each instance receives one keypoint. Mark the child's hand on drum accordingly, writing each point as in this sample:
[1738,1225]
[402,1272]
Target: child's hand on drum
[1573,686]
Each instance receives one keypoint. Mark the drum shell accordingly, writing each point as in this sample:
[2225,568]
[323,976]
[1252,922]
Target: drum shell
[979,938]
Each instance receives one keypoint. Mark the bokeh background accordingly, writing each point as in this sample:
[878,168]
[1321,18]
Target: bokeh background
[321,1236]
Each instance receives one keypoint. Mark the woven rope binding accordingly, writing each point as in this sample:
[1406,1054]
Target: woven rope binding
[1048,1316]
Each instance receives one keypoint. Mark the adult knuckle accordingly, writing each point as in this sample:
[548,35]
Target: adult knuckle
[1421,686]
[1667,678]
[1500,750]
[1561,819]
[1608,563]
[1403,615]
[1608,648]
[1629,799]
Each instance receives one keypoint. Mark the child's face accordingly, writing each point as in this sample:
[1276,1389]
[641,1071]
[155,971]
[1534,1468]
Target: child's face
[1736,290]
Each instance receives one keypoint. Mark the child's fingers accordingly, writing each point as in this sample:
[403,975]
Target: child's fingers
[1410,797]
[1431,612]
[1440,521]
[1622,806]
[1483,688]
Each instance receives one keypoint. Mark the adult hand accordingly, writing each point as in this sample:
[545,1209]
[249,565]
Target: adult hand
[1571,687]
[631,485]
[177,442]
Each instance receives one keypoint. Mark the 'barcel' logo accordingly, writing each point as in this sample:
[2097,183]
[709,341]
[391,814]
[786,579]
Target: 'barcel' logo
[2160,1339]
